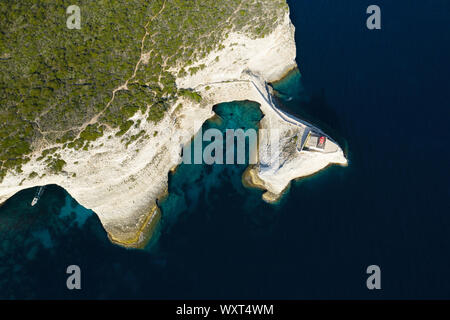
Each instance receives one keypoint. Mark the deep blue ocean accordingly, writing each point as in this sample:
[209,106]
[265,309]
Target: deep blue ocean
[384,95]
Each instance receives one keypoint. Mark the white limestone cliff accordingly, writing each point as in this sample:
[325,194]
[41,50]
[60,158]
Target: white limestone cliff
[121,184]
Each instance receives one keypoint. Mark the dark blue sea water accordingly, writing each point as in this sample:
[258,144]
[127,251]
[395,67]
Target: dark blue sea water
[383,94]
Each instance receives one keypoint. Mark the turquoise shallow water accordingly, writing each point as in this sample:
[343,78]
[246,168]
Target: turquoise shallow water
[39,242]
[194,183]
[36,240]
[216,237]
[382,95]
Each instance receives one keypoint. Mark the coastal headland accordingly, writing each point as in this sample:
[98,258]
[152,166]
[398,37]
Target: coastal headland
[122,183]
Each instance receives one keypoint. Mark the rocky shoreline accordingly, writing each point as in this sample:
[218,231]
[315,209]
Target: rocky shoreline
[122,184]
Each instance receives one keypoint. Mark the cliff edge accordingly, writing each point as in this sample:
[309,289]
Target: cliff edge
[122,182]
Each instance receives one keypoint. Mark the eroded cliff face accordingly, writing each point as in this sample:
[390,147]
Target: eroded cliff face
[121,183]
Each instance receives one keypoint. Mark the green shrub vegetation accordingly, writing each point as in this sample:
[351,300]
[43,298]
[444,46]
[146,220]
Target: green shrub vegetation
[56,165]
[53,80]
[32,175]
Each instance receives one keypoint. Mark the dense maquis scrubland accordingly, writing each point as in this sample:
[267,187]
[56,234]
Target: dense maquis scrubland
[57,84]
